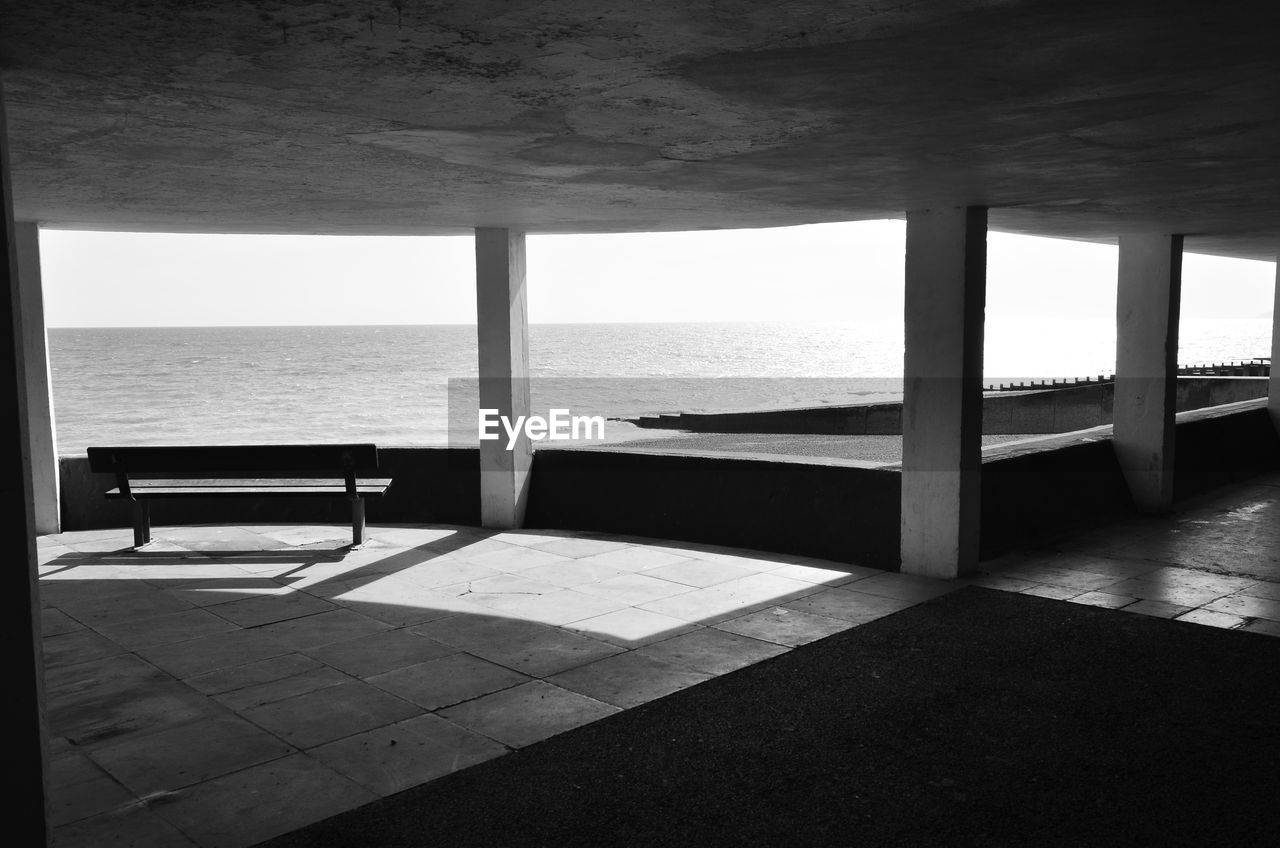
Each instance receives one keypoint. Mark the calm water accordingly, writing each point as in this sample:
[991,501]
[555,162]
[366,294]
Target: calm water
[390,385]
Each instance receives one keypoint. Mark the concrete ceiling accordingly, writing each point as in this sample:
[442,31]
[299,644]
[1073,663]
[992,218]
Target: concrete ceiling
[1073,118]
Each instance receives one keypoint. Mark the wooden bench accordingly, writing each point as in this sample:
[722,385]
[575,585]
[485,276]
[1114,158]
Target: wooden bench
[144,474]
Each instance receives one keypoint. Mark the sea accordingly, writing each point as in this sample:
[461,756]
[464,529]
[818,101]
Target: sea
[415,385]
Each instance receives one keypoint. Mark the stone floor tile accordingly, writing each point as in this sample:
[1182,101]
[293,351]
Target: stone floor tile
[527,538]
[1221,583]
[784,626]
[210,593]
[634,558]
[561,607]
[1263,626]
[711,651]
[399,756]
[1164,590]
[95,603]
[1212,619]
[581,547]
[186,754]
[1268,590]
[1157,609]
[572,574]
[77,646]
[411,537]
[905,587]
[121,696]
[446,572]
[1247,606]
[311,534]
[128,827]
[330,713]
[313,631]
[447,681]
[699,573]
[837,575]
[253,612]
[1103,599]
[1005,582]
[1120,569]
[252,674]
[628,680]
[701,606]
[848,604]
[283,688]
[631,627]
[1063,577]
[210,653]
[79,789]
[527,713]
[544,653]
[469,632]
[381,652]
[517,559]
[764,590]
[164,629]
[633,588]
[232,811]
[219,538]
[1047,590]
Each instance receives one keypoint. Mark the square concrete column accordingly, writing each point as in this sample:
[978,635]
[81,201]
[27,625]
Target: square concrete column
[41,435]
[1273,384]
[502,320]
[946,282]
[1147,300]
[26,756]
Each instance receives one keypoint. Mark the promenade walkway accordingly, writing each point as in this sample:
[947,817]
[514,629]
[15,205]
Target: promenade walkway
[228,684]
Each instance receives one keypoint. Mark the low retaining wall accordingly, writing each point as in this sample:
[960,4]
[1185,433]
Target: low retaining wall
[1060,410]
[842,510]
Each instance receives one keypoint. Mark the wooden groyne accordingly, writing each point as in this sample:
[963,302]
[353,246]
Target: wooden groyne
[1258,366]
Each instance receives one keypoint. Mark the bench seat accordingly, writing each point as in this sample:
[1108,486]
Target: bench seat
[144,474]
[265,486]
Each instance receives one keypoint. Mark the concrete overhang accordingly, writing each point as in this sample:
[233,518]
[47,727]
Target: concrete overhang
[1078,119]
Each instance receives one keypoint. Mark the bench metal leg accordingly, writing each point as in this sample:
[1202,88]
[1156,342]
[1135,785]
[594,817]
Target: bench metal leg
[357,521]
[141,523]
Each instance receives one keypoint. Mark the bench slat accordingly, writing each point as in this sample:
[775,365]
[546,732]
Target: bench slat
[232,459]
[254,482]
[267,488]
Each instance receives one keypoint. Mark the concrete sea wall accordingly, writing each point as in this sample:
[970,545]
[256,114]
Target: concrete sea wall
[1059,410]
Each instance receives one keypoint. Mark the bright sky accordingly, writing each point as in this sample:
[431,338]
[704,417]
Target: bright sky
[826,272]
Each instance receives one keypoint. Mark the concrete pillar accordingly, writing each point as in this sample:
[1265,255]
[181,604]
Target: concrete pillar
[502,320]
[1147,299]
[1273,385]
[946,281]
[41,435]
[26,754]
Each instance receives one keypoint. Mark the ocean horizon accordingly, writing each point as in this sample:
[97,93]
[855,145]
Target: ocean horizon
[392,384]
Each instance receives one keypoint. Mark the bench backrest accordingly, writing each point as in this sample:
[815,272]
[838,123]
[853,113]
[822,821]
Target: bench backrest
[227,460]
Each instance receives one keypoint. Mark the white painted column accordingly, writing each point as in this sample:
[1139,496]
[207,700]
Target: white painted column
[1147,300]
[1273,385]
[41,434]
[946,281]
[23,714]
[502,319]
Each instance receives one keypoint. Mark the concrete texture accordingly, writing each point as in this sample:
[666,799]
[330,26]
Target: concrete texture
[946,295]
[1147,303]
[1079,119]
